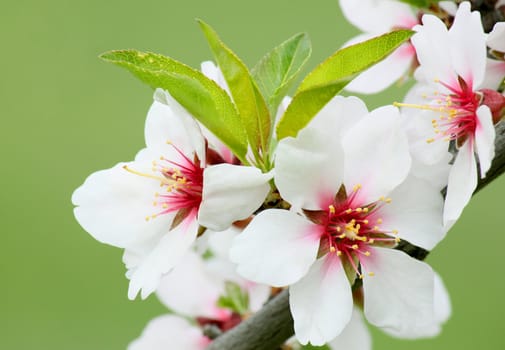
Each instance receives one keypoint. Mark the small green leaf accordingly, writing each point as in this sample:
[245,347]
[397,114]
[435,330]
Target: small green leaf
[201,96]
[277,70]
[246,95]
[235,299]
[331,76]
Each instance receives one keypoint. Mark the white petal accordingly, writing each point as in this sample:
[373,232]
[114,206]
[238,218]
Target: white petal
[432,46]
[462,183]
[231,193]
[449,7]
[495,73]
[190,290]
[442,301]
[146,270]
[496,39]
[484,139]
[258,295]
[399,296]
[378,16]
[211,71]
[355,336]
[308,169]
[321,302]
[376,153]
[277,248]
[166,121]
[468,45]
[169,332]
[416,212]
[442,312]
[112,206]
[385,73]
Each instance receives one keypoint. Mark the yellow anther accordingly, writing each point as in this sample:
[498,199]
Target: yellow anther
[371,274]
[339,253]
[338,229]
[388,200]
[360,276]
[376,228]
[358,210]
[331,208]
[155,203]
[169,142]
[365,222]
[147,218]
[367,253]
[348,211]
[342,236]
[164,205]
[154,163]
[371,241]
[381,198]
[434,121]
[397,239]
[379,221]
[365,210]
[156,194]
[354,246]
[430,140]
[395,232]
[332,249]
[356,187]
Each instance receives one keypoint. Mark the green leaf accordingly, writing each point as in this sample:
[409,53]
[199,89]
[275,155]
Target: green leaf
[235,299]
[277,70]
[201,96]
[246,95]
[331,76]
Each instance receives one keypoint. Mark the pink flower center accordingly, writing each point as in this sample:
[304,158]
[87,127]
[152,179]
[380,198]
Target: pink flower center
[181,181]
[457,111]
[351,226]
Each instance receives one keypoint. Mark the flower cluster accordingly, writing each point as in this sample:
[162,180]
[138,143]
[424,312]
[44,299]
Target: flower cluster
[242,191]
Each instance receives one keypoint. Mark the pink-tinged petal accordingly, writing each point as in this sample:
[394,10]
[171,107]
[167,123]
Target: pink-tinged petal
[484,139]
[190,290]
[355,335]
[231,193]
[308,168]
[496,39]
[147,265]
[170,332]
[376,153]
[385,73]
[399,296]
[166,121]
[495,73]
[462,183]
[321,302]
[432,46]
[378,16]
[112,206]
[277,248]
[468,45]
[416,213]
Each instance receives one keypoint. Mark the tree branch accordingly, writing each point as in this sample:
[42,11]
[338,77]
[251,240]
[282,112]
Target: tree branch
[270,327]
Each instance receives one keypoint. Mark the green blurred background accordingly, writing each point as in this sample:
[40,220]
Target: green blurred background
[66,114]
